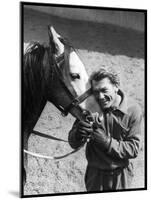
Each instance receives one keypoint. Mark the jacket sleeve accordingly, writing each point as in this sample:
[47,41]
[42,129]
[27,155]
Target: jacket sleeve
[73,140]
[129,146]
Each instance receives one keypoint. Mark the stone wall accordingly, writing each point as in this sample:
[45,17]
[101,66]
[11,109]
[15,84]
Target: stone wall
[127,19]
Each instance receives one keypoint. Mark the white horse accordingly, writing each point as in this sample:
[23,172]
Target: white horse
[54,73]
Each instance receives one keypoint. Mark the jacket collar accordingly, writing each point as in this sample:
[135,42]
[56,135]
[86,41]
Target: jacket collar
[123,105]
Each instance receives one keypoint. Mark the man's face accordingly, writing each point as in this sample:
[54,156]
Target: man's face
[105,92]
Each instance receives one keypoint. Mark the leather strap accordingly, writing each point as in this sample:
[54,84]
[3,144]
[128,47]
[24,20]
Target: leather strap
[78,100]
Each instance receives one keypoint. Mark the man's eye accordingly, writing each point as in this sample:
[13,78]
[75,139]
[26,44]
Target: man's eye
[97,92]
[75,76]
[104,90]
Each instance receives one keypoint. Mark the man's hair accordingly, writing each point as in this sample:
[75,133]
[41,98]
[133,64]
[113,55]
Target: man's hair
[105,73]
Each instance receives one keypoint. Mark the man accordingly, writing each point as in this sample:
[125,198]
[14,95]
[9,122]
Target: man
[114,137]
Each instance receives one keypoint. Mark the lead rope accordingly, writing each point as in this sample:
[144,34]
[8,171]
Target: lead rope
[51,157]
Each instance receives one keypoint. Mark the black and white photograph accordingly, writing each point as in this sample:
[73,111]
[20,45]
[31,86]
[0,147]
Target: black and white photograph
[83,99]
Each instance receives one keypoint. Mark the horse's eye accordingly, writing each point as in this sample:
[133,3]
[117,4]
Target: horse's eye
[75,76]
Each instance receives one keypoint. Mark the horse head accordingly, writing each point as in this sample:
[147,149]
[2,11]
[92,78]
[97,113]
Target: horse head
[57,74]
[72,93]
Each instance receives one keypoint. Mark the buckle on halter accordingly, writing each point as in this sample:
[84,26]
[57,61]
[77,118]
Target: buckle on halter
[75,102]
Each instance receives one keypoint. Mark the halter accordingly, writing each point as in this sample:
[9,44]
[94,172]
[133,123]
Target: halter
[76,100]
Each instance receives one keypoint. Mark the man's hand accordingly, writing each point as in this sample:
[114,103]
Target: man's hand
[100,137]
[95,131]
[84,129]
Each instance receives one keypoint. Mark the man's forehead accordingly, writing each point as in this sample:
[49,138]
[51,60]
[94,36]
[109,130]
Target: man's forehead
[102,82]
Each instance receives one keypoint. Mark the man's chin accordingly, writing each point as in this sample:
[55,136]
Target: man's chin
[105,105]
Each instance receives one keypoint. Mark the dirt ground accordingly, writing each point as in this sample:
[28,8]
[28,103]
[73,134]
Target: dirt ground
[98,45]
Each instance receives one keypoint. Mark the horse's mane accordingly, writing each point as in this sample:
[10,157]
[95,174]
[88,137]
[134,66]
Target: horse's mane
[34,74]
[33,84]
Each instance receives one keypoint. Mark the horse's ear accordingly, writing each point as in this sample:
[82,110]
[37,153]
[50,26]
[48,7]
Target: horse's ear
[54,39]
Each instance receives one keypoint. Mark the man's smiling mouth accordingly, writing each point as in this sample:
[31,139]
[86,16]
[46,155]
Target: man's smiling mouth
[105,101]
